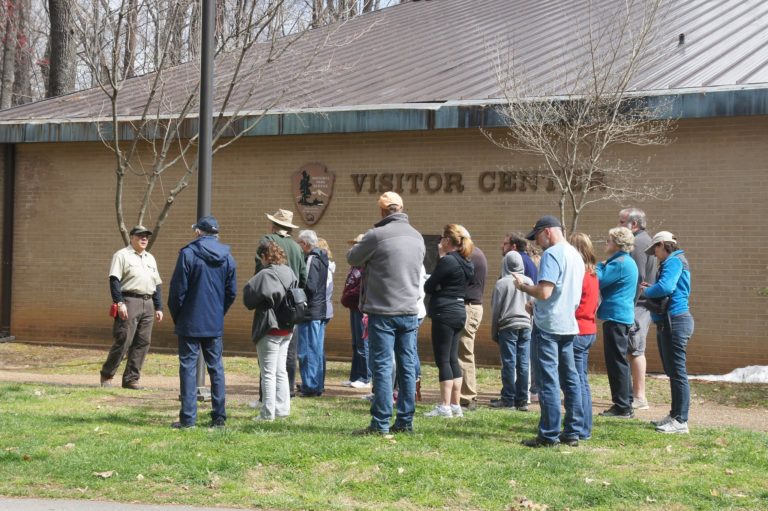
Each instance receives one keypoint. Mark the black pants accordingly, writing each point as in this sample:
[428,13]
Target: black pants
[615,343]
[445,344]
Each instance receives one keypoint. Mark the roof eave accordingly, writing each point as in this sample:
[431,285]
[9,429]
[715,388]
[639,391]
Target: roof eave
[695,103]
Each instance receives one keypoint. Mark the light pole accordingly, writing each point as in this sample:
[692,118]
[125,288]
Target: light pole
[204,145]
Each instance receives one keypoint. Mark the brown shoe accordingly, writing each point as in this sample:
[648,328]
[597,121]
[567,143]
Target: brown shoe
[106,381]
[132,385]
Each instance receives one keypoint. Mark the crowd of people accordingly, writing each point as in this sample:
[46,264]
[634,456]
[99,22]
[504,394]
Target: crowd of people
[544,312]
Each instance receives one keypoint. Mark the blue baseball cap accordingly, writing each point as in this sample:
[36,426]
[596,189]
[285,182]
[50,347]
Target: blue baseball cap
[207,224]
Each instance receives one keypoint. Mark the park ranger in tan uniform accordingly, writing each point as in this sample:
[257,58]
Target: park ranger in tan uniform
[134,283]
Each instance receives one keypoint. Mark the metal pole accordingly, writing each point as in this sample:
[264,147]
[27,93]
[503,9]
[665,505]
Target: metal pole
[204,146]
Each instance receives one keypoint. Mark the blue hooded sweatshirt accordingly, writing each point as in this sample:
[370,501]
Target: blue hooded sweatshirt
[674,280]
[618,285]
[203,287]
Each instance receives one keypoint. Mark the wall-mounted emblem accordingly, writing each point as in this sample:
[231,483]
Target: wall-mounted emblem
[312,188]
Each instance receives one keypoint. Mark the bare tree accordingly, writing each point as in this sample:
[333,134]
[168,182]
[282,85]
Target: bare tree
[154,140]
[8,61]
[576,119]
[61,74]
[22,80]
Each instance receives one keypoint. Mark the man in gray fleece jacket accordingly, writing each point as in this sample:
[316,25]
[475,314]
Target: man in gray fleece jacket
[391,255]
[511,328]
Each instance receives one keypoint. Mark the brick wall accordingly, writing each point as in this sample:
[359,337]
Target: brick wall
[66,232]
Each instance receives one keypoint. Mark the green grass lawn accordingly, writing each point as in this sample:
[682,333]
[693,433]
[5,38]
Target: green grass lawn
[54,440]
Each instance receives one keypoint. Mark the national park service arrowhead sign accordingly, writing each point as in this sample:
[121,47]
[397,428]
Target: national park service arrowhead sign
[312,188]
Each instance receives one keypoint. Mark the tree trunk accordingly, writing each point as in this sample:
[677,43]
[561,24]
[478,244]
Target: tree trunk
[22,81]
[9,56]
[129,56]
[61,78]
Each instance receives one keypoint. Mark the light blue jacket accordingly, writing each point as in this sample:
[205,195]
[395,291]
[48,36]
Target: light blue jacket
[618,284]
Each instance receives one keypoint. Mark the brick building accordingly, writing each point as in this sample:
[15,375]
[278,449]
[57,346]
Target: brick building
[422,135]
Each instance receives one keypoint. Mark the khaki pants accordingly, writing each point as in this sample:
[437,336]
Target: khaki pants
[131,336]
[467,353]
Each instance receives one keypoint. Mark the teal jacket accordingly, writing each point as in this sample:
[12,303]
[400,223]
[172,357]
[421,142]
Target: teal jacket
[618,284]
[674,280]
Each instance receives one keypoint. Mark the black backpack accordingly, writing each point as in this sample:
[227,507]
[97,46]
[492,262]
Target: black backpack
[292,309]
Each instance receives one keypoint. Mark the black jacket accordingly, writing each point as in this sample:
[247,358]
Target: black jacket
[447,286]
[317,280]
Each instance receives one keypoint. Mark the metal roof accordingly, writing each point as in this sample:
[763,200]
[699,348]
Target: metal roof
[411,56]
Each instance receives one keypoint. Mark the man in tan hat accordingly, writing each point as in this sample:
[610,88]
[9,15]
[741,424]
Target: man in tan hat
[282,225]
[134,283]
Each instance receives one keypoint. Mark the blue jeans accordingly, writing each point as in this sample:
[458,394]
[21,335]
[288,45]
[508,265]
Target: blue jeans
[556,368]
[534,367]
[581,345]
[359,370]
[189,351]
[385,335]
[311,354]
[672,335]
[514,347]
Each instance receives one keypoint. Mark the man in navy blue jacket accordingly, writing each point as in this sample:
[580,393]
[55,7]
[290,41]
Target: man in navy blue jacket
[202,289]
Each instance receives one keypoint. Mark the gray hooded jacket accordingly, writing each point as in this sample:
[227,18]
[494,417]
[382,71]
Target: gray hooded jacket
[392,254]
[263,292]
[508,302]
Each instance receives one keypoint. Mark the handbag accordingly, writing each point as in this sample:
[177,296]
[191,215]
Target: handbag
[658,306]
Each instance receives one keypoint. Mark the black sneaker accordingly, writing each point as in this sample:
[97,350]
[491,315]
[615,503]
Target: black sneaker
[501,403]
[402,428]
[538,442]
[218,422]
[617,413]
[570,442]
[370,430]
[179,425]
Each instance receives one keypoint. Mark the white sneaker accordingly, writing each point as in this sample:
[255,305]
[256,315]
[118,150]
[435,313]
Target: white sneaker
[440,411]
[673,427]
[456,411]
[346,383]
[357,384]
[640,404]
[255,404]
[662,421]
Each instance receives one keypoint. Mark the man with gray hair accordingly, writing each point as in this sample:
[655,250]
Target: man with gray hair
[392,254]
[311,343]
[634,220]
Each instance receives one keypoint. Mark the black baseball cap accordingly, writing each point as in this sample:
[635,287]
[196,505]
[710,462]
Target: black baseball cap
[140,229]
[543,223]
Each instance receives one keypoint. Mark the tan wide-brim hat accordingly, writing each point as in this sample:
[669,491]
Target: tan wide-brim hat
[283,217]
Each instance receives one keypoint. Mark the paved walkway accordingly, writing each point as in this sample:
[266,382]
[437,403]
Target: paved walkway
[93,505]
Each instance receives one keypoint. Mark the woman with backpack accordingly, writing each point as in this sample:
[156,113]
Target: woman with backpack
[674,325]
[262,294]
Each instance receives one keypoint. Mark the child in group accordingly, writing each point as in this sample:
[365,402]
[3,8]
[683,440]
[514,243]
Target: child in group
[511,329]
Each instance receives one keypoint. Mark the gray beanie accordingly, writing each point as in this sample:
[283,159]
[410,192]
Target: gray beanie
[513,263]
